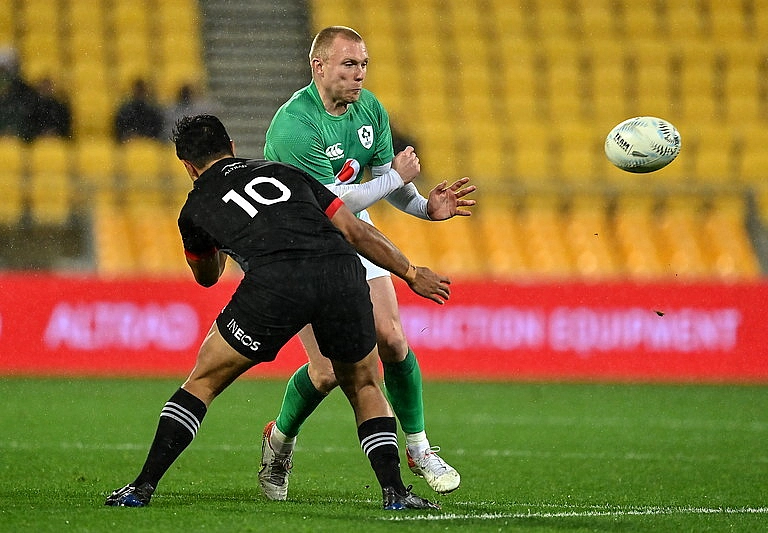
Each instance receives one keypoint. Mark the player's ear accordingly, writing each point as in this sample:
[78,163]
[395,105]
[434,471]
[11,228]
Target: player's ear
[191,170]
[232,145]
[317,66]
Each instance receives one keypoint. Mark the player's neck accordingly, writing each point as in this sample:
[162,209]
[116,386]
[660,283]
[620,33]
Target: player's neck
[335,108]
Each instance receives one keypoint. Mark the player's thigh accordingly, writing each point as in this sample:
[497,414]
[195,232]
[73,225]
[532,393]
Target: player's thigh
[389,329]
[217,365]
[343,321]
[321,368]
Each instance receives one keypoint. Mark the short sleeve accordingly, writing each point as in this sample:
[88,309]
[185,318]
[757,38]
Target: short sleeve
[198,244]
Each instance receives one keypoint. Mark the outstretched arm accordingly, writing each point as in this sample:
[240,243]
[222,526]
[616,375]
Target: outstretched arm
[377,248]
[386,179]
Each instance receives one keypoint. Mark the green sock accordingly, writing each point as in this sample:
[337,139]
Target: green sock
[300,400]
[402,383]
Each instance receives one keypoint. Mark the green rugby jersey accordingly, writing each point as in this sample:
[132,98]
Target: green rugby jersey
[331,149]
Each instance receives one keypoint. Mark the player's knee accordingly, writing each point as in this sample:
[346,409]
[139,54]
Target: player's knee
[323,380]
[393,347]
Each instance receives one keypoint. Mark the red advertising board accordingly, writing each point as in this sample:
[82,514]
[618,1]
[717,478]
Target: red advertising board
[51,325]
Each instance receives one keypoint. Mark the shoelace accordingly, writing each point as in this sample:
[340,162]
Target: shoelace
[279,469]
[430,458]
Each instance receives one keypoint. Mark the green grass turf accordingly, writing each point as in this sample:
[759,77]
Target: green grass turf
[533,457]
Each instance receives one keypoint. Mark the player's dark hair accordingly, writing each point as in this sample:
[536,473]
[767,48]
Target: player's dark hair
[201,139]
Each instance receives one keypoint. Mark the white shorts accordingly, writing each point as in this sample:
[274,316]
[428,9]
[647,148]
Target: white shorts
[371,271]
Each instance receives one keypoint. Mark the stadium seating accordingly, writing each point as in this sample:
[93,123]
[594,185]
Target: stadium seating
[12,155]
[517,94]
[51,191]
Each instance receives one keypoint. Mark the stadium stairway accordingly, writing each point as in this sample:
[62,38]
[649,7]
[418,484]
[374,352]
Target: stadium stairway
[255,51]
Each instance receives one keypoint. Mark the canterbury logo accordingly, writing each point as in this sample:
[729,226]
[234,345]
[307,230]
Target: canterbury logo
[334,151]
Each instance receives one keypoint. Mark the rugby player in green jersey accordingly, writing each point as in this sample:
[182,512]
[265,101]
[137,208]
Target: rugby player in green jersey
[332,129]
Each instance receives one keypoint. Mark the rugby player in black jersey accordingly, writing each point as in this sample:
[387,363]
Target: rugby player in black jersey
[296,243]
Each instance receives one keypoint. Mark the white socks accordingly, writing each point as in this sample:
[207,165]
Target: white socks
[280,443]
[417,443]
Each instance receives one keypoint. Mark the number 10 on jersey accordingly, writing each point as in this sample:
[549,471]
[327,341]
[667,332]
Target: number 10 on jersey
[284,193]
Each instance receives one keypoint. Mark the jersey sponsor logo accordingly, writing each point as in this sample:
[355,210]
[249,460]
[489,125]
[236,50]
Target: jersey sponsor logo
[348,172]
[242,336]
[334,152]
[365,134]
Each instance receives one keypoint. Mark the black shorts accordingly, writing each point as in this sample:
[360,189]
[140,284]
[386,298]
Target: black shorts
[274,302]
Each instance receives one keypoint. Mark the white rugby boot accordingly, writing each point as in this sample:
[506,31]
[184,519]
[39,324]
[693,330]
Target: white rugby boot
[275,468]
[438,474]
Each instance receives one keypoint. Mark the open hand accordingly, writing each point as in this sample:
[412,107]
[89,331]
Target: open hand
[445,202]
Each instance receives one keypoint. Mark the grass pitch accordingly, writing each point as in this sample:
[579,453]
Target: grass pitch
[533,457]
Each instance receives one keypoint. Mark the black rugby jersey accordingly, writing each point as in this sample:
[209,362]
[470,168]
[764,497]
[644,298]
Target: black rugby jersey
[258,212]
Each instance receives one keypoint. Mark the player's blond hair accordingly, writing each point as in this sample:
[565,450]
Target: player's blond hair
[321,44]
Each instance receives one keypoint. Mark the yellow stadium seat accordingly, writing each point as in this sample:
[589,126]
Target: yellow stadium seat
[597,19]
[579,148]
[41,55]
[95,162]
[143,164]
[606,82]
[638,19]
[86,47]
[502,238]
[636,235]
[532,154]
[93,111]
[51,196]
[711,147]
[509,19]
[12,152]
[131,15]
[37,15]
[726,21]
[454,248]
[7,22]
[728,243]
[698,78]
[684,20]
[86,15]
[742,88]
[328,13]
[51,191]
[113,246]
[49,155]
[679,226]
[409,234]
[553,19]
[519,85]
[546,251]
[753,163]
[589,235]
[133,59]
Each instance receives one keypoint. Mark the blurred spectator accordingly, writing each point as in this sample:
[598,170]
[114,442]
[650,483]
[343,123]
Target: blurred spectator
[140,115]
[189,102]
[17,98]
[50,115]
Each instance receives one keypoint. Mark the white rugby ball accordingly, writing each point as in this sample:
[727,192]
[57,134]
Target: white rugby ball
[642,144]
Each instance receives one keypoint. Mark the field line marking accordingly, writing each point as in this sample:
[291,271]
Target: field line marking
[586,513]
